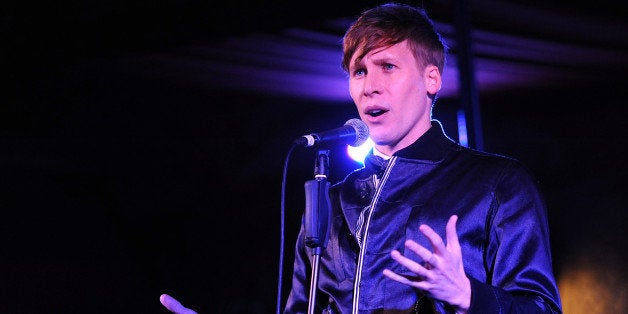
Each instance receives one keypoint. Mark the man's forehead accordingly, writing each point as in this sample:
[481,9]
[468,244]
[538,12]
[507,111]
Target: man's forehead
[380,52]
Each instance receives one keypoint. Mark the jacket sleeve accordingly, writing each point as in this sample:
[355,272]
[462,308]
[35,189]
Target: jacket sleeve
[518,257]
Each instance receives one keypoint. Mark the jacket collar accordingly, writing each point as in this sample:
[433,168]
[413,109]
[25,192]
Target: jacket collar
[432,145]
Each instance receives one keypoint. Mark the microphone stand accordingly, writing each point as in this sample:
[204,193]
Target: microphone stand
[317,218]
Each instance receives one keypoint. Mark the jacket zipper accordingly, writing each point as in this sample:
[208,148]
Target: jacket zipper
[365,230]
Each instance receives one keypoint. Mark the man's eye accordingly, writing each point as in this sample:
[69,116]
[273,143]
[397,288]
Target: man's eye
[359,72]
[388,66]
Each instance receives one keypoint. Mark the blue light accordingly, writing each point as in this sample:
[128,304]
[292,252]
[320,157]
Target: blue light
[462,129]
[359,153]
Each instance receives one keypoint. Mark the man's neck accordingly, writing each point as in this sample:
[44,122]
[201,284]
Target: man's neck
[380,154]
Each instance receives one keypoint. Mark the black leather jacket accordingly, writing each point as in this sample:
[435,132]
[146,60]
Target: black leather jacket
[502,227]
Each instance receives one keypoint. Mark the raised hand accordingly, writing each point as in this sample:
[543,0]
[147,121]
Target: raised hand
[442,275]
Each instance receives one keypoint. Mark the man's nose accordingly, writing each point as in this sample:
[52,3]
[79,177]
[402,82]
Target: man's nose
[372,84]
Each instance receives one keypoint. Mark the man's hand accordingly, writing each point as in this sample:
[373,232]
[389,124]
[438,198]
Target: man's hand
[174,306]
[442,275]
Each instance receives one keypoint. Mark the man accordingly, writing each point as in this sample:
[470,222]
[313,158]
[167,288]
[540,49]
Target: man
[427,226]
[437,227]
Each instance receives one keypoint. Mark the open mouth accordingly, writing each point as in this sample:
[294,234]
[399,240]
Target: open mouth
[376,112]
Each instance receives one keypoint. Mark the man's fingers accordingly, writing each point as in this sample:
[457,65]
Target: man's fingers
[396,277]
[413,281]
[408,263]
[425,254]
[451,234]
[173,305]
[437,242]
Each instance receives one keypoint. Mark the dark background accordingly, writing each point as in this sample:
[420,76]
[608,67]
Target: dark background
[144,143]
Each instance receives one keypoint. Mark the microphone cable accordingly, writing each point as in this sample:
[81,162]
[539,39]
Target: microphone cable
[282,227]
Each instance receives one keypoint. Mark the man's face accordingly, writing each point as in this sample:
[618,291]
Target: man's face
[392,94]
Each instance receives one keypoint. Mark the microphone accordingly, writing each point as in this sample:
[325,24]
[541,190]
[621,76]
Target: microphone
[354,132]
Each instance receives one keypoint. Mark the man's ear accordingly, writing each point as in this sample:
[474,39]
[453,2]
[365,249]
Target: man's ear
[433,81]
